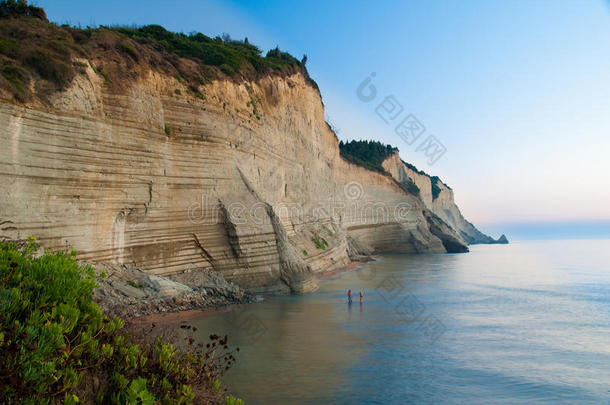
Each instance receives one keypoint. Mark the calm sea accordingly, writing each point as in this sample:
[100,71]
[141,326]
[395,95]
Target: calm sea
[525,323]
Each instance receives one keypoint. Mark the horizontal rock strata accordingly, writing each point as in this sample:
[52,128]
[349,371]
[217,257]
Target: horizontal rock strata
[166,182]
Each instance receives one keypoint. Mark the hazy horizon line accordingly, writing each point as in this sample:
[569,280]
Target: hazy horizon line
[545,229]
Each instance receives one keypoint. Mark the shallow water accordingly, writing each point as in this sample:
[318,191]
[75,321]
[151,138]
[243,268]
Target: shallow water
[523,323]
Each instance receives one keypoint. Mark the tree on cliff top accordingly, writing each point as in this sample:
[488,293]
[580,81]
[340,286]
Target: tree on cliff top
[16,8]
[369,154]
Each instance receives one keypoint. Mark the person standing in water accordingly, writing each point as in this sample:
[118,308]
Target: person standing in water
[349,296]
[361,297]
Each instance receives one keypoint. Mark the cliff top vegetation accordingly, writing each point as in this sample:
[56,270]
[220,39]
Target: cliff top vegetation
[368,154]
[371,154]
[38,57]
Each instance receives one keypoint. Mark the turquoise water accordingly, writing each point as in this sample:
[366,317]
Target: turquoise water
[524,323]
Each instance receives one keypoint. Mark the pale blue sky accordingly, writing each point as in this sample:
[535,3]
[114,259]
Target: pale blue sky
[517,91]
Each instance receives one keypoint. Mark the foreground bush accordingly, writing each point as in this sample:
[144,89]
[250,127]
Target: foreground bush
[56,346]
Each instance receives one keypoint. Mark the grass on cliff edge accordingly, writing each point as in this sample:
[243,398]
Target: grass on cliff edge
[56,345]
[37,53]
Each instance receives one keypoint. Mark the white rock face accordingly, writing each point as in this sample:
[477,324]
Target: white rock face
[443,205]
[168,183]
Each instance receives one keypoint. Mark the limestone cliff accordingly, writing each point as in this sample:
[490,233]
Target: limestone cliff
[442,204]
[243,177]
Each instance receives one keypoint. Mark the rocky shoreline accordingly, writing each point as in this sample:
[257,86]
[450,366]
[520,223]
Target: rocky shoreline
[129,293]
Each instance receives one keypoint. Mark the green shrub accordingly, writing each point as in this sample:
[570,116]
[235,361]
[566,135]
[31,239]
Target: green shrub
[49,66]
[230,56]
[279,60]
[128,50]
[319,242]
[330,233]
[17,8]
[16,77]
[227,69]
[369,154]
[436,190]
[168,129]
[252,103]
[9,48]
[55,341]
[229,400]
[415,169]
[305,252]
[412,187]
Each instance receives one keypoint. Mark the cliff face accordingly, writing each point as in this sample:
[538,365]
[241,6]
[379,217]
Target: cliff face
[247,182]
[443,205]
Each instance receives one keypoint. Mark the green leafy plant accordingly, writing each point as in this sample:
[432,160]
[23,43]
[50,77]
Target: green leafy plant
[415,169]
[436,190]
[319,242]
[229,400]
[330,233]
[254,109]
[9,47]
[130,51]
[55,341]
[17,78]
[411,187]
[133,284]
[17,8]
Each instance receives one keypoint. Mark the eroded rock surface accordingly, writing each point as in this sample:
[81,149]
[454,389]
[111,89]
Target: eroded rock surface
[162,181]
[129,292]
